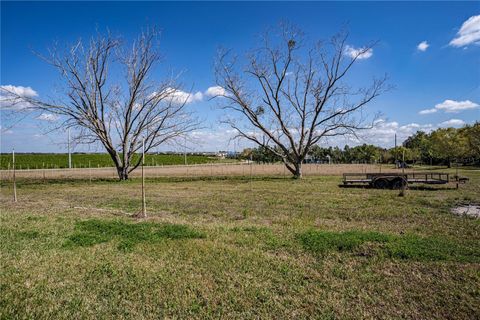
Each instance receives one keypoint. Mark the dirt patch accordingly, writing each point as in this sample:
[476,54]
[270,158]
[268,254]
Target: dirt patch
[471,210]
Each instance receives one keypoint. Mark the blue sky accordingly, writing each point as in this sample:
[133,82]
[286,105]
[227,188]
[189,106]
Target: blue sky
[434,82]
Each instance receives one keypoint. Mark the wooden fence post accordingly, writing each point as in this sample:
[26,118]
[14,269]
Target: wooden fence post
[14,177]
[144,206]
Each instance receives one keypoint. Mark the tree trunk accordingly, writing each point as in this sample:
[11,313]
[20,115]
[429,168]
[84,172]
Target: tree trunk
[297,174]
[122,173]
[295,169]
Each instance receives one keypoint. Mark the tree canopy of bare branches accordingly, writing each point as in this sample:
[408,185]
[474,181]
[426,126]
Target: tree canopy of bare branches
[289,96]
[109,97]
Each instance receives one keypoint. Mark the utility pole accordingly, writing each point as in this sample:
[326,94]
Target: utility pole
[69,153]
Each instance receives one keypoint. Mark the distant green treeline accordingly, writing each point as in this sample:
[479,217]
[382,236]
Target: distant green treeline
[439,147]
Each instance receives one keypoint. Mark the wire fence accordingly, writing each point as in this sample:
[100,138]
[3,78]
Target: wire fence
[87,200]
[193,170]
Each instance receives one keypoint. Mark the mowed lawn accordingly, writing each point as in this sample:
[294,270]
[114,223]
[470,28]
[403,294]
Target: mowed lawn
[238,248]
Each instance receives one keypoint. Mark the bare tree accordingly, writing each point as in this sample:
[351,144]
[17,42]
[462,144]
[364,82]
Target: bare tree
[118,114]
[289,97]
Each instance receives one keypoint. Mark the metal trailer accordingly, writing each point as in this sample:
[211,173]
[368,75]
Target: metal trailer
[396,180]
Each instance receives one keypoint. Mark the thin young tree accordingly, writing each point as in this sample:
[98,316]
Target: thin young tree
[289,96]
[110,97]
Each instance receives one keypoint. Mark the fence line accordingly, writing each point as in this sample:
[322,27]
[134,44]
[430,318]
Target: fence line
[191,170]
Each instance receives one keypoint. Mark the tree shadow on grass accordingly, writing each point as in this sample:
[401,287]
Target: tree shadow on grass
[91,232]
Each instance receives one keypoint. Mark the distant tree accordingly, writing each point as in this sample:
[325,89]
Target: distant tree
[472,135]
[259,155]
[386,156]
[415,140]
[337,155]
[347,156]
[365,153]
[400,153]
[246,153]
[414,155]
[448,144]
[117,113]
[420,144]
[264,155]
[319,153]
[291,96]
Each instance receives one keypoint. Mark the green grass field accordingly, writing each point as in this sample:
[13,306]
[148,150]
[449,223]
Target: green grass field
[238,248]
[94,160]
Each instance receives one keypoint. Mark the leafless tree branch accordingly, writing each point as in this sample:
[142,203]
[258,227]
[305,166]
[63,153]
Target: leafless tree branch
[294,96]
[119,115]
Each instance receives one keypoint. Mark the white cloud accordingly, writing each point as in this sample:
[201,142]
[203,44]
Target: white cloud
[469,33]
[11,97]
[360,53]
[451,106]
[383,133]
[215,91]
[180,97]
[423,46]
[198,96]
[48,117]
[428,111]
[452,123]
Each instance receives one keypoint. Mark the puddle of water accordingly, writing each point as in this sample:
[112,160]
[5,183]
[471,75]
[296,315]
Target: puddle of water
[467,210]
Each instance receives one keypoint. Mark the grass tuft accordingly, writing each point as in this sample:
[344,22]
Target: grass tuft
[324,241]
[406,247]
[28,234]
[94,231]
[413,247]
